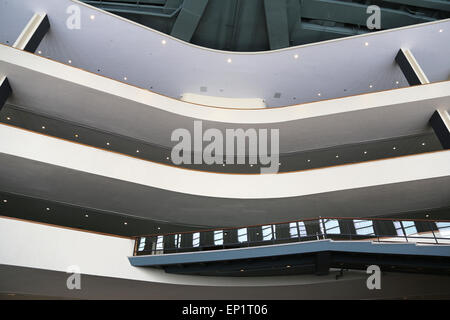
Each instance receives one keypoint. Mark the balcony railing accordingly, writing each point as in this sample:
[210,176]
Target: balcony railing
[361,229]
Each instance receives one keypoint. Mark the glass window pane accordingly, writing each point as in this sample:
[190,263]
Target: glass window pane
[196,239]
[218,237]
[443,229]
[364,227]
[242,235]
[159,243]
[331,226]
[141,244]
[267,232]
[293,231]
[302,229]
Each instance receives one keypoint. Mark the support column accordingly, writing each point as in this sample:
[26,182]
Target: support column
[440,122]
[188,19]
[410,68]
[5,91]
[277,23]
[34,32]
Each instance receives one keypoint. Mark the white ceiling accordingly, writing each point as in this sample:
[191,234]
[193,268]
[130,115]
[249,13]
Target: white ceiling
[120,48]
[63,92]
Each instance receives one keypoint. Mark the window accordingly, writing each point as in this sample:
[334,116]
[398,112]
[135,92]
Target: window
[242,235]
[177,240]
[267,232]
[444,229]
[218,237]
[331,226]
[293,230]
[302,229]
[159,243]
[364,227]
[297,229]
[196,239]
[141,244]
[409,228]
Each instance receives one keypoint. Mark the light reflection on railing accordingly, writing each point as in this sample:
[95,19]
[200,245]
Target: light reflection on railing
[381,230]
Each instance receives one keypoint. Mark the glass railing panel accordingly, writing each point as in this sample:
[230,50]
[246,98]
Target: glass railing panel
[311,230]
[184,242]
[442,232]
[284,232]
[255,235]
[207,240]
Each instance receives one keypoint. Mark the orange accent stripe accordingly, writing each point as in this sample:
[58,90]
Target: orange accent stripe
[68,228]
[217,107]
[214,172]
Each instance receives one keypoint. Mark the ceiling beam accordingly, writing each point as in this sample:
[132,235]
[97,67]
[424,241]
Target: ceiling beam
[429,4]
[5,91]
[33,33]
[411,68]
[356,14]
[440,122]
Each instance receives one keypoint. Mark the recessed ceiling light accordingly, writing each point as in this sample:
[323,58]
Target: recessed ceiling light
[70,61]
[397,82]
[337,156]
[125,223]
[92,17]
[48,209]
[309,160]
[394,148]
[163,41]
[43,127]
[423,143]
[295,56]
[107,143]
[366,44]
[229,60]
[371,86]
[137,151]
[365,152]
[5,201]
[125,78]
[86,215]
[8,118]
[159,228]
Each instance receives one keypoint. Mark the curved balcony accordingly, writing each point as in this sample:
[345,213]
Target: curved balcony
[306,246]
